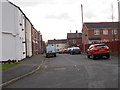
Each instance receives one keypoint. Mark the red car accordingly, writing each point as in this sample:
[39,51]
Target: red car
[98,50]
[64,51]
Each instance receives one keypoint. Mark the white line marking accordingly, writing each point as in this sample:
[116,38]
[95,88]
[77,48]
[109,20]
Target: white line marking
[77,68]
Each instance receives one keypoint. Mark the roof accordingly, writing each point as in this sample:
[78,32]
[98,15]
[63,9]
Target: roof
[74,35]
[60,41]
[99,25]
[95,38]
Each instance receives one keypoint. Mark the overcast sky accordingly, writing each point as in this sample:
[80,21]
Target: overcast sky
[55,18]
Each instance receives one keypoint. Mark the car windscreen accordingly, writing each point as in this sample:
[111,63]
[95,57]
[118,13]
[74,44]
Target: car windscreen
[100,46]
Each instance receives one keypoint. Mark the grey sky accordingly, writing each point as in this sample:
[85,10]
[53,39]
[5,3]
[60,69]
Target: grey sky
[55,18]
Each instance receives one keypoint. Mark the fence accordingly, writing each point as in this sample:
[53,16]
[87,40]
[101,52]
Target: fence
[114,47]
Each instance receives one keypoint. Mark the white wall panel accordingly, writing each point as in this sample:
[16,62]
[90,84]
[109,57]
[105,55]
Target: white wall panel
[28,38]
[0,30]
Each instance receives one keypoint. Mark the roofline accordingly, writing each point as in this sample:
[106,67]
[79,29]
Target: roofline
[100,22]
[20,10]
[74,33]
[57,39]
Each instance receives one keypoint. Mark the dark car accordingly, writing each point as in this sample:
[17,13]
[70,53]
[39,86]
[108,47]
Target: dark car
[98,50]
[75,50]
[69,50]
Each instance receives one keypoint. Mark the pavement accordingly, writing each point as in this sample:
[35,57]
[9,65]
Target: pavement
[28,66]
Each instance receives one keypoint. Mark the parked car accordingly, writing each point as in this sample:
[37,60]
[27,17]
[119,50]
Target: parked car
[98,50]
[69,50]
[64,51]
[60,51]
[50,51]
[75,50]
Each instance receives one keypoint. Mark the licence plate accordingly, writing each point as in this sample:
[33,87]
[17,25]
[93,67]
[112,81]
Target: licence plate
[101,50]
[49,51]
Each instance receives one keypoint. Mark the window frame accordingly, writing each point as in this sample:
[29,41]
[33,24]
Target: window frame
[115,32]
[104,32]
[96,32]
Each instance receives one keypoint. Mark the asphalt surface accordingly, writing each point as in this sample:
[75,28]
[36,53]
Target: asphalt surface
[72,71]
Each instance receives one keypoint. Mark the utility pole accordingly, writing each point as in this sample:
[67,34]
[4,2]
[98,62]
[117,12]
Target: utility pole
[82,28]
[113,32]
[82,14]
[112,12]
[118,11]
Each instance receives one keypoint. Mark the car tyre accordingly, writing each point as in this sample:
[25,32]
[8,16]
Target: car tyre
[55,55]
[93,57]
[46,56]
[108,56]
[88,56]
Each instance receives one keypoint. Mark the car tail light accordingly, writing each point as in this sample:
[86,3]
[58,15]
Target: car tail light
[107,49]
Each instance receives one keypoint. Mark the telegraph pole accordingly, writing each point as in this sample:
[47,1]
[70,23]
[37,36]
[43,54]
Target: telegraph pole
[113,32]
[82,14]
[82,28]
[118,11]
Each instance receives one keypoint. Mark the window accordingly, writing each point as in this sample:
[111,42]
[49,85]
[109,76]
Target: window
[114,31]
[105,40]
[105,32]
[100,46]
[96,32]
[74,41]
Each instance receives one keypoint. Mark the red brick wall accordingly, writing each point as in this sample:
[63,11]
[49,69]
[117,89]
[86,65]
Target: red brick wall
[109,37]
[85,35]
[35,38]
[74,41]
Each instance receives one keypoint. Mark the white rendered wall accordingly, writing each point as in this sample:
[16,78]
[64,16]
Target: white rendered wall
[9,32]
[0,30]
[28,38]
[21,37]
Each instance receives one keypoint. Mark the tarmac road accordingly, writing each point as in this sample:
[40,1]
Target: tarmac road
[72,71]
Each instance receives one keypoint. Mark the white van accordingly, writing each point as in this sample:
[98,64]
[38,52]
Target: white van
[50,51]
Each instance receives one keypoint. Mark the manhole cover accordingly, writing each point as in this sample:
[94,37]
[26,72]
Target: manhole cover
[59,68]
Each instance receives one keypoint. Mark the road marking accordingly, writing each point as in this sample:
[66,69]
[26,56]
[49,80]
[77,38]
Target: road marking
[77,68]
[22,76]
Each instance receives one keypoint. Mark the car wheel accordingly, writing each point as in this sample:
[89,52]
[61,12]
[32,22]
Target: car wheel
[46,56]
[93,57]
[88,56]
[108,56]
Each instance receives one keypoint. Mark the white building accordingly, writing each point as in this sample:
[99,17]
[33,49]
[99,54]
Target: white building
[12,33]
[0,31]
[28,29]
[60,44]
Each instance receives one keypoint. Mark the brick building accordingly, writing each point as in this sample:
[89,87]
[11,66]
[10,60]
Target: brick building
[74,39]
[100,32]
[35,42]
